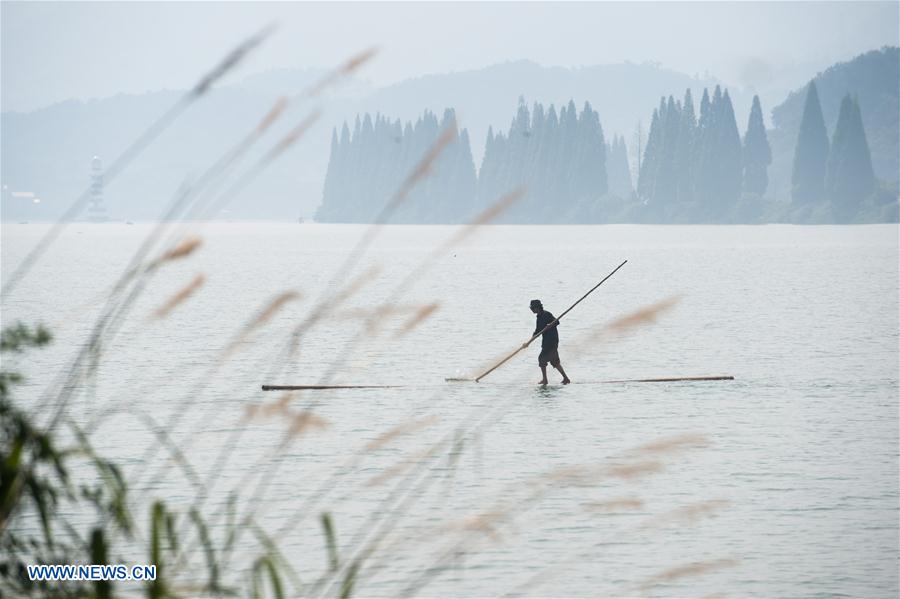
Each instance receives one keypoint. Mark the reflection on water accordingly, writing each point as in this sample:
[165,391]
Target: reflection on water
[547,392]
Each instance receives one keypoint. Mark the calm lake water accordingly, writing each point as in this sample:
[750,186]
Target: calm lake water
[793,491]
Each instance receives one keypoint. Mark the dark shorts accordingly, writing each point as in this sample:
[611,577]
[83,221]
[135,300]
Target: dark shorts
[549,355]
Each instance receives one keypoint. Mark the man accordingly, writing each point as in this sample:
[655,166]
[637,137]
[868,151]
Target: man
[549,342]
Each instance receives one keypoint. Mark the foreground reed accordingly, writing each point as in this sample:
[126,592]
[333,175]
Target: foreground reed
[215,543]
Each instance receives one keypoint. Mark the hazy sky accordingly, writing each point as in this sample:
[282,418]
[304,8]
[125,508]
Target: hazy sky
[55,51]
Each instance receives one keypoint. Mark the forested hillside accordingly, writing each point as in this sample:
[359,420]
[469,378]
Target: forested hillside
[366,167]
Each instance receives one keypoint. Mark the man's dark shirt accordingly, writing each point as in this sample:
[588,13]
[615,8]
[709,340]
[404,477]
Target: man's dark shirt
[550,338]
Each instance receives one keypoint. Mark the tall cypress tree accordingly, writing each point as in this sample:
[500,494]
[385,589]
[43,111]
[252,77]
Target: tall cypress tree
[560,160]
[702,146]
[849,177]
[465,182]
[535,137]
[684,151]
[718,183]
[489,173]
[519,135]
[344,184]
[757,153]
[811,154]
[650,164]
[329,190]
[618,173]
[666,183]
[366,168]
[566,166]
[729,167]
[717,95]
[487,170]
[704,109]
[586,160]
[545,179]
[706,153]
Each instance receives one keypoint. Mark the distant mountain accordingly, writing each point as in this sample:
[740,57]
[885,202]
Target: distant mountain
[622,94]
[295,81]
[49,151]
[694,169]
[874,78]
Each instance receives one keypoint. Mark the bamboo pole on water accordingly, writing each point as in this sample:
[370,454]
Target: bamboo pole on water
[668,379]
[552,324]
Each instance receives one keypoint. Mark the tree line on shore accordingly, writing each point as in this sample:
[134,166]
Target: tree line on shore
[694,168]
[367,167]
[834,180]
[561,160]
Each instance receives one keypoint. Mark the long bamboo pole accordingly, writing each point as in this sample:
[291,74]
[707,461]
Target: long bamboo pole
[668,379]
[552,324]
[324,387]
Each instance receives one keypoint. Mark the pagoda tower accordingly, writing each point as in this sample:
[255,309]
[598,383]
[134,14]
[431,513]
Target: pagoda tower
[96,211]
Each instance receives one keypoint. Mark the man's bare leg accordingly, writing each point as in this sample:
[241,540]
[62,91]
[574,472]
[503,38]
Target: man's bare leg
[565,380]
[543,375]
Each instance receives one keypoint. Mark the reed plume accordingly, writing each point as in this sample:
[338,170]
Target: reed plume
[261,318]
[348,68]
[641,317]
[613,505]
[292,137]
[485,523]
[636,470]
[423,168]
[182,250]
[690,513]
[270,117]
[418,318]
[687,570]
[644,316]
[303,421]
[231,60]
[279,406]
[673,444]
[180,297]
[405,428]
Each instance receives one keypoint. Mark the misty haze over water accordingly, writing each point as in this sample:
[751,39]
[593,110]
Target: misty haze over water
[359,206]
[801,463]
[60,113]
